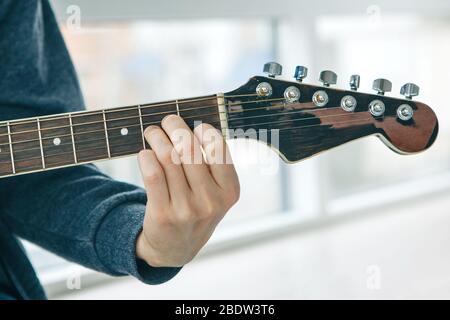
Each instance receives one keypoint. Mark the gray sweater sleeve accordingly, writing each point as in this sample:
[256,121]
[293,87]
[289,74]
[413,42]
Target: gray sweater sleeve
[84,216]
[78,213]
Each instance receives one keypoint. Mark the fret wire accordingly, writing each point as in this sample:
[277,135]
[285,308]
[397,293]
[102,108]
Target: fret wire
[178,107]
[73,139]
[117,119]
[119,109]
[230,119]
[280,129]
[117,127]
[86,113]
[11,148]
[90,149]
[142,126]
[210,114]
[158,113]
[145,106]
[40,143]
[231,127]
[106,134]
[92,140]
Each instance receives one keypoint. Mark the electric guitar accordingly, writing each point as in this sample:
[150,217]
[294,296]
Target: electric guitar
[297,120]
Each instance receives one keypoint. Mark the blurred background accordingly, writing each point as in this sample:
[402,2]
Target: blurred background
[356,222]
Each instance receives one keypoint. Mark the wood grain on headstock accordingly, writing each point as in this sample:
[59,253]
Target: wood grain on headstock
[420,132]
[305,129]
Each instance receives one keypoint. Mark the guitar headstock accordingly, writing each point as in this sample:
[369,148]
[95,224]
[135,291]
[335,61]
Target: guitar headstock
[309,119]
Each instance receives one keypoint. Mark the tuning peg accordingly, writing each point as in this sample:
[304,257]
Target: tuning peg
[382,86]
[354,82]
[409,90]
[300,73]
[272,69]
[328,77]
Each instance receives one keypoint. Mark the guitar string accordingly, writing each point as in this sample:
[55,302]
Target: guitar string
[290,112]
[121,109]
[123,118]
[80,143]
[230,119]
[138,134]
[94,131]
[62,164]
[124,109]
[151,123]
[76,114]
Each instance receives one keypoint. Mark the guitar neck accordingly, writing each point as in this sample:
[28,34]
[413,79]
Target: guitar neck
[303,120]
[56,141]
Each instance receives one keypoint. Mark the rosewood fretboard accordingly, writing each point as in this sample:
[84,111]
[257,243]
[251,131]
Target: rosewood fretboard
[298,128]
[40,143]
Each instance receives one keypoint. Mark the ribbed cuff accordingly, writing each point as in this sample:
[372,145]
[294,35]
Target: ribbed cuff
[116,245]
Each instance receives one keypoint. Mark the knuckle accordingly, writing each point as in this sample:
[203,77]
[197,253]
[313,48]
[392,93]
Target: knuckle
[185,219]
[212,208]
[153,176]
[166,156]
[187,213]
[162,219]
[234,193]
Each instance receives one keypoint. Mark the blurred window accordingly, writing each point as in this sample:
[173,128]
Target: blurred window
[403,49]
[138,62]
[141,61]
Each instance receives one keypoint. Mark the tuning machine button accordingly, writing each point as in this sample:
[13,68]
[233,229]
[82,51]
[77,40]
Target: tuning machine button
[328,78]
[300,73]
[381,86]
[377,108]
[409,90]
[354,82]
[272,69]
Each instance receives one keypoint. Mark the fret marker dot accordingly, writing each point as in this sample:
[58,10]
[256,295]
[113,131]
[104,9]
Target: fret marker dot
[124,131]
[57,141]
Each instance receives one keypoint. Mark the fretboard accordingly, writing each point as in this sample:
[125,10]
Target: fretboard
[62,140]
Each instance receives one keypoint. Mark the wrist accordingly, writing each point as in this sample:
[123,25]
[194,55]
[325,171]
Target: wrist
[145,252]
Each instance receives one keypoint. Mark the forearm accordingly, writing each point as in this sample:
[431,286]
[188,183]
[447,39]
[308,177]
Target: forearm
[83,216]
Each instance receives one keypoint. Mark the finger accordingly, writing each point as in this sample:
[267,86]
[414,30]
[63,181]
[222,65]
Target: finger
[217,156]
[154,178]
[169,160]
[188,147]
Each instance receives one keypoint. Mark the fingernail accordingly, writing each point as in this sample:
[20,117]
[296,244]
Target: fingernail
[168,117]
[148,131]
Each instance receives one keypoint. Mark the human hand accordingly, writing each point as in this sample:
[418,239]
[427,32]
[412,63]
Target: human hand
[187,196]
